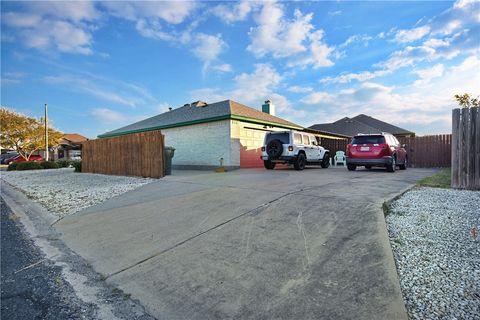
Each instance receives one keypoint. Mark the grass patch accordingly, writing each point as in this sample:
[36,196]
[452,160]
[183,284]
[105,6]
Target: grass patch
[442,179]
[387,208]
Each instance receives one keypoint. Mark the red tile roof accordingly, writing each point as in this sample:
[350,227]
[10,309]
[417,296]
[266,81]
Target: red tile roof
[74,137]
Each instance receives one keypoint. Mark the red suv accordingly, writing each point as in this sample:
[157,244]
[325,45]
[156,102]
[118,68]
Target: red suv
[376,150]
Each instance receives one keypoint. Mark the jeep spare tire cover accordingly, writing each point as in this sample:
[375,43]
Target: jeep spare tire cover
[274,149]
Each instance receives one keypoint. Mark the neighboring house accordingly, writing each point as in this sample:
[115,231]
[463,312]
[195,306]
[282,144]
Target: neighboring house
[70,147]
[361,124]
[205,134]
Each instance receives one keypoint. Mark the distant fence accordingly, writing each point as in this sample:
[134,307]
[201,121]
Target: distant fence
[138,154]
[423,152]
[466,148]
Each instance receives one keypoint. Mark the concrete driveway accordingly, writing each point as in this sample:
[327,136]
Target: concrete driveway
[250,244]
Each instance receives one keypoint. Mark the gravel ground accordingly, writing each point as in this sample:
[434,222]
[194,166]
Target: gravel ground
[437,257]
[64,192]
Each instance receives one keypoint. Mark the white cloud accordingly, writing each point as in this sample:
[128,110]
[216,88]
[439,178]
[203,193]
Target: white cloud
[348,77]
[335,13]
[108,115]
[425,108]
[428,74]
[173,12]
[277,35]
[224,67]
[316,98]
[362,38]
[66,27]
[252,89]
[299,89]
[412,34]
[208,47]
[256,86]
[232,13]
[319,55]
[116,95]
[450,34]
[9,78]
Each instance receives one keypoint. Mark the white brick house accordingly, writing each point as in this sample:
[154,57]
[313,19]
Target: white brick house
[202,133]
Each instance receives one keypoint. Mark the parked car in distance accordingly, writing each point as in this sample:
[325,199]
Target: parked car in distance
[376,150]
[5,156]
[19,158]
[293,147]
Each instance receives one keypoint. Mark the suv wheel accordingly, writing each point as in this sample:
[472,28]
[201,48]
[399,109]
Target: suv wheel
[274,149]
[326,161]
[393,166]
[351,167]
[268,164]
[299,164]
[404,165]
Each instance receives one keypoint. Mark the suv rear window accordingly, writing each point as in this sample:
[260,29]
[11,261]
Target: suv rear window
[368,140]
[284,137]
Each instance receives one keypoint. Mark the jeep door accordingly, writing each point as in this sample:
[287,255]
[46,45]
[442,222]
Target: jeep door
[310,149]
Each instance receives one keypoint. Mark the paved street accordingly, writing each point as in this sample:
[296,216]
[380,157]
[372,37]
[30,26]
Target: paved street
[32,286]
[250,244]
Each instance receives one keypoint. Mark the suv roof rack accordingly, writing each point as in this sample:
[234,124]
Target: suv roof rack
[372,134]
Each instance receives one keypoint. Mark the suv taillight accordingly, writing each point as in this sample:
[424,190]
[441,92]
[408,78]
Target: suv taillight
[348,149]
[290,148]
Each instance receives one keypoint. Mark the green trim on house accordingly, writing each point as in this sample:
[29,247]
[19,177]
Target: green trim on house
[206,120]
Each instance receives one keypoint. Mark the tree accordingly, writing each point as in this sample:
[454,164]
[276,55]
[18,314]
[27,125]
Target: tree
[25,134]
[465,101]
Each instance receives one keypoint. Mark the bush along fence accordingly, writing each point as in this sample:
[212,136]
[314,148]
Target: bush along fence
[466,148]
[136,154]
[431,151]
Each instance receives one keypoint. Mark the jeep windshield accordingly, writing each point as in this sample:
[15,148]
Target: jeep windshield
[368,140]
[284,137]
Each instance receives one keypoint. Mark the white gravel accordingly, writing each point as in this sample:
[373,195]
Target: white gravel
[63,191]
[437,257]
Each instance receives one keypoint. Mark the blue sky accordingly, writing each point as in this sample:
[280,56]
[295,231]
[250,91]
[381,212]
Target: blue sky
[102,65]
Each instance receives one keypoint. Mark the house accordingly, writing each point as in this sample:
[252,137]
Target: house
[361,124]
[206,136]
[70,146]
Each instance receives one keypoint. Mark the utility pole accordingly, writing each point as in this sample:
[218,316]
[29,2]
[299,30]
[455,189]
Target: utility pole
[46,132]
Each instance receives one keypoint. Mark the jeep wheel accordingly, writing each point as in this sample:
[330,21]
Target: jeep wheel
[351,167]
[269,164]
[274,149]
[391,167]
[326,161]
[404,165]
[299,164]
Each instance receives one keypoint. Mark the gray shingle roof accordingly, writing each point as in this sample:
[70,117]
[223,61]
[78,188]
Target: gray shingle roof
[188,115]
[360,124]
[383,126]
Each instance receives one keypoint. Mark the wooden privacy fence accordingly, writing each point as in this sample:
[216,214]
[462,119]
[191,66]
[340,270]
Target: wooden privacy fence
[423,152]
[428,151]
[466,148]
[136,154]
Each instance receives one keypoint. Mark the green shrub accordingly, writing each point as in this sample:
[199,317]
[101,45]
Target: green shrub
[29,165]
[77,165]
[12,166]
[63,163]
[49,165]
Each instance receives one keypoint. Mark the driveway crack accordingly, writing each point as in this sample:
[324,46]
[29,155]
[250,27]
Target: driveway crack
[254,211]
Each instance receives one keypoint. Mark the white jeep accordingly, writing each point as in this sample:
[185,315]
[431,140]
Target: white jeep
[293,147]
